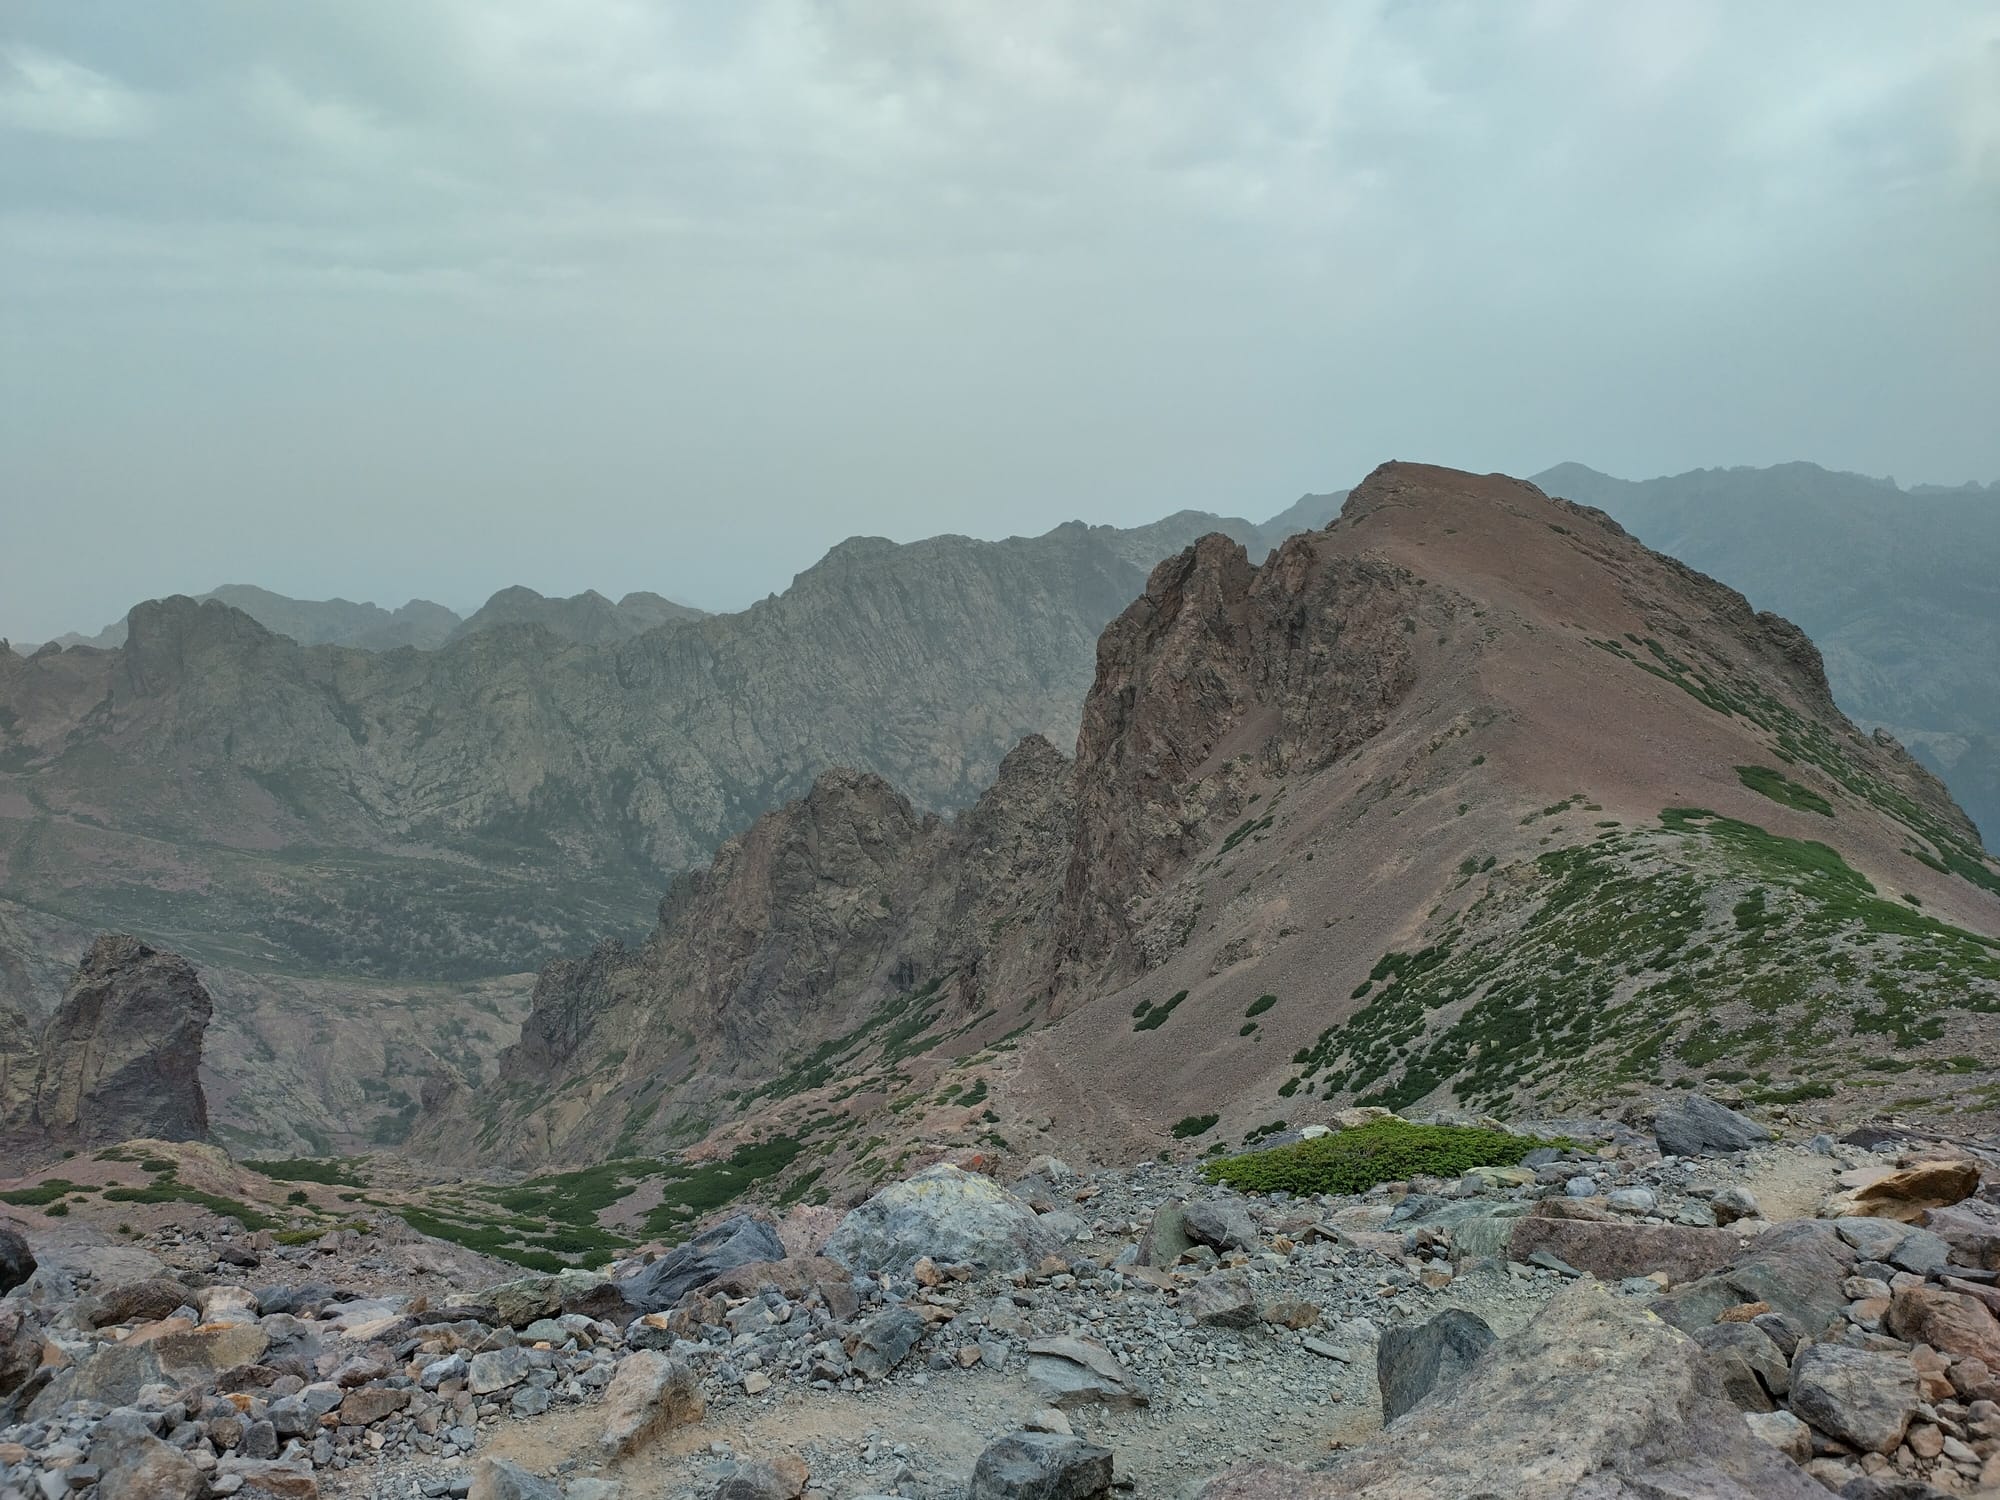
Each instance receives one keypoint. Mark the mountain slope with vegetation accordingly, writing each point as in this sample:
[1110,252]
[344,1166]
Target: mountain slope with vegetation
[1468,800]
[1899,588]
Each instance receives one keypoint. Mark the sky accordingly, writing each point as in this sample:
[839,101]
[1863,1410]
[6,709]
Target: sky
[381,300]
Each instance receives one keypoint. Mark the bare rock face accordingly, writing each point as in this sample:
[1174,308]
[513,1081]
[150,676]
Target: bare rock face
[122,1056]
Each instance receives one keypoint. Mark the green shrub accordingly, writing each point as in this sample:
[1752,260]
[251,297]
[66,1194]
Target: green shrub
[1193,1125]
[299,1195]
[1261,1004]
[42,1193]
[329,1172]
[57,1210]
[1155,1018]
[1246,1028]
[1352,1161]
[1781,788]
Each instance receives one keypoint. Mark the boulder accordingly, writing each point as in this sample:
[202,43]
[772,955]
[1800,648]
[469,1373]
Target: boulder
[1796,1268]
[1782,1431]
[1971,1229]
[1863,1397]
[1947,1321]
[500,1479]
[885,1341]
[947,1214]
[1041,1466]
[1069,1372]
[690,1267]
[1617,1249]
[138,1466]
[1593,1397]
[139,1302]
[1907,1194]
[17,1261]
[1221,1223]
[1224,1300]
[781,1478]
[496,1370]
[1412,1360]
[1750,1370]
[167,1353]
[649,1394]
[1166,1237]
[520,1302]
[1692,1124]
[1734,1203]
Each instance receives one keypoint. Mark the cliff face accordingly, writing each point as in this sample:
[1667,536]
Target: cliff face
[1460,718]
[120,1058]
[433,821]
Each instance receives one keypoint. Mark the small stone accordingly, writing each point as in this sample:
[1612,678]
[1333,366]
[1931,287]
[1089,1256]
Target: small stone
[756,1383]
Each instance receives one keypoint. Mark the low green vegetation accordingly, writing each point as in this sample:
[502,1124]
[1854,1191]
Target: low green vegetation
[1655,955]
[327,1171]
[691,1191]
[1153,1017]
[1189,1126]
[1261,1004]
[1781,788]
[1353,1161]
[168,1190]
[43,1193]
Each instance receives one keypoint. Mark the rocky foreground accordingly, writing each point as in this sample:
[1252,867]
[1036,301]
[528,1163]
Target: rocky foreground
[1692,1309]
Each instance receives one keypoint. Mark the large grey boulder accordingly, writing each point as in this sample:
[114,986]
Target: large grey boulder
[944,1213]
[1070,1372]
[1593,1398]
[1865,1397]
[1695,1125]
[688,1268]
[1411,1361]
[1222,1223]
[1041,1466]
[1797,1268]
[17,1261]
[886,1340]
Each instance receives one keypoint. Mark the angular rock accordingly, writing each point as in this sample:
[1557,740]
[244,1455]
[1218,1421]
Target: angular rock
[690,1267]
[1041,1466]
[1166,1237]
[1224,1300]
[886,1340]
[1797,1268]
[649,1394]
[500,1479]
[1615,1250]
[1067,1372]
[1947,1321]
[139,1301]
[1751,1371]
[1907,1195]
[948,1214]
[1593,1398]
[17,1261]
[1690,1124]
[1782,1431]
[779,1479]
[138,1466]
[1734,1203]
[1972,1230]
[496,1370]
[1411,1361]
[370,1404]
[1861,1396]
[169,1353]
[1221,1223]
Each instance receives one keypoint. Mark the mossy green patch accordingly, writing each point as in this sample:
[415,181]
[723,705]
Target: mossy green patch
[1353,1161]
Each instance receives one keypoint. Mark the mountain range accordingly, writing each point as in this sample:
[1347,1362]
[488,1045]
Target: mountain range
[333,832]
[1468,800]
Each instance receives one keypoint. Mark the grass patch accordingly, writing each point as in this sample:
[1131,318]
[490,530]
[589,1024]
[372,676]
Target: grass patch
[177,1192]
[327,1171]
[43,1193]
[1781,788]
[696,1190]
[1353,1161]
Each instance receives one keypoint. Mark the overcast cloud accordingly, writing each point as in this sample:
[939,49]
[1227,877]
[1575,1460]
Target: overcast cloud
[381,299]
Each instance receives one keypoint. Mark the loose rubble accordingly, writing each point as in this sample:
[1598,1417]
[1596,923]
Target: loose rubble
[1127,1326]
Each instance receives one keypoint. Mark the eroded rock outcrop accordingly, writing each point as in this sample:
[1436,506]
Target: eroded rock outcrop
[121,1057]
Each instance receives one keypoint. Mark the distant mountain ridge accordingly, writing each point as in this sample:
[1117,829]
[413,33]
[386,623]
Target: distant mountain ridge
[1900,589]
[399,832]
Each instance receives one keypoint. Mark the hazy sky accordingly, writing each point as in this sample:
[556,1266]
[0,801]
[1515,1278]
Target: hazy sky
[378,298]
